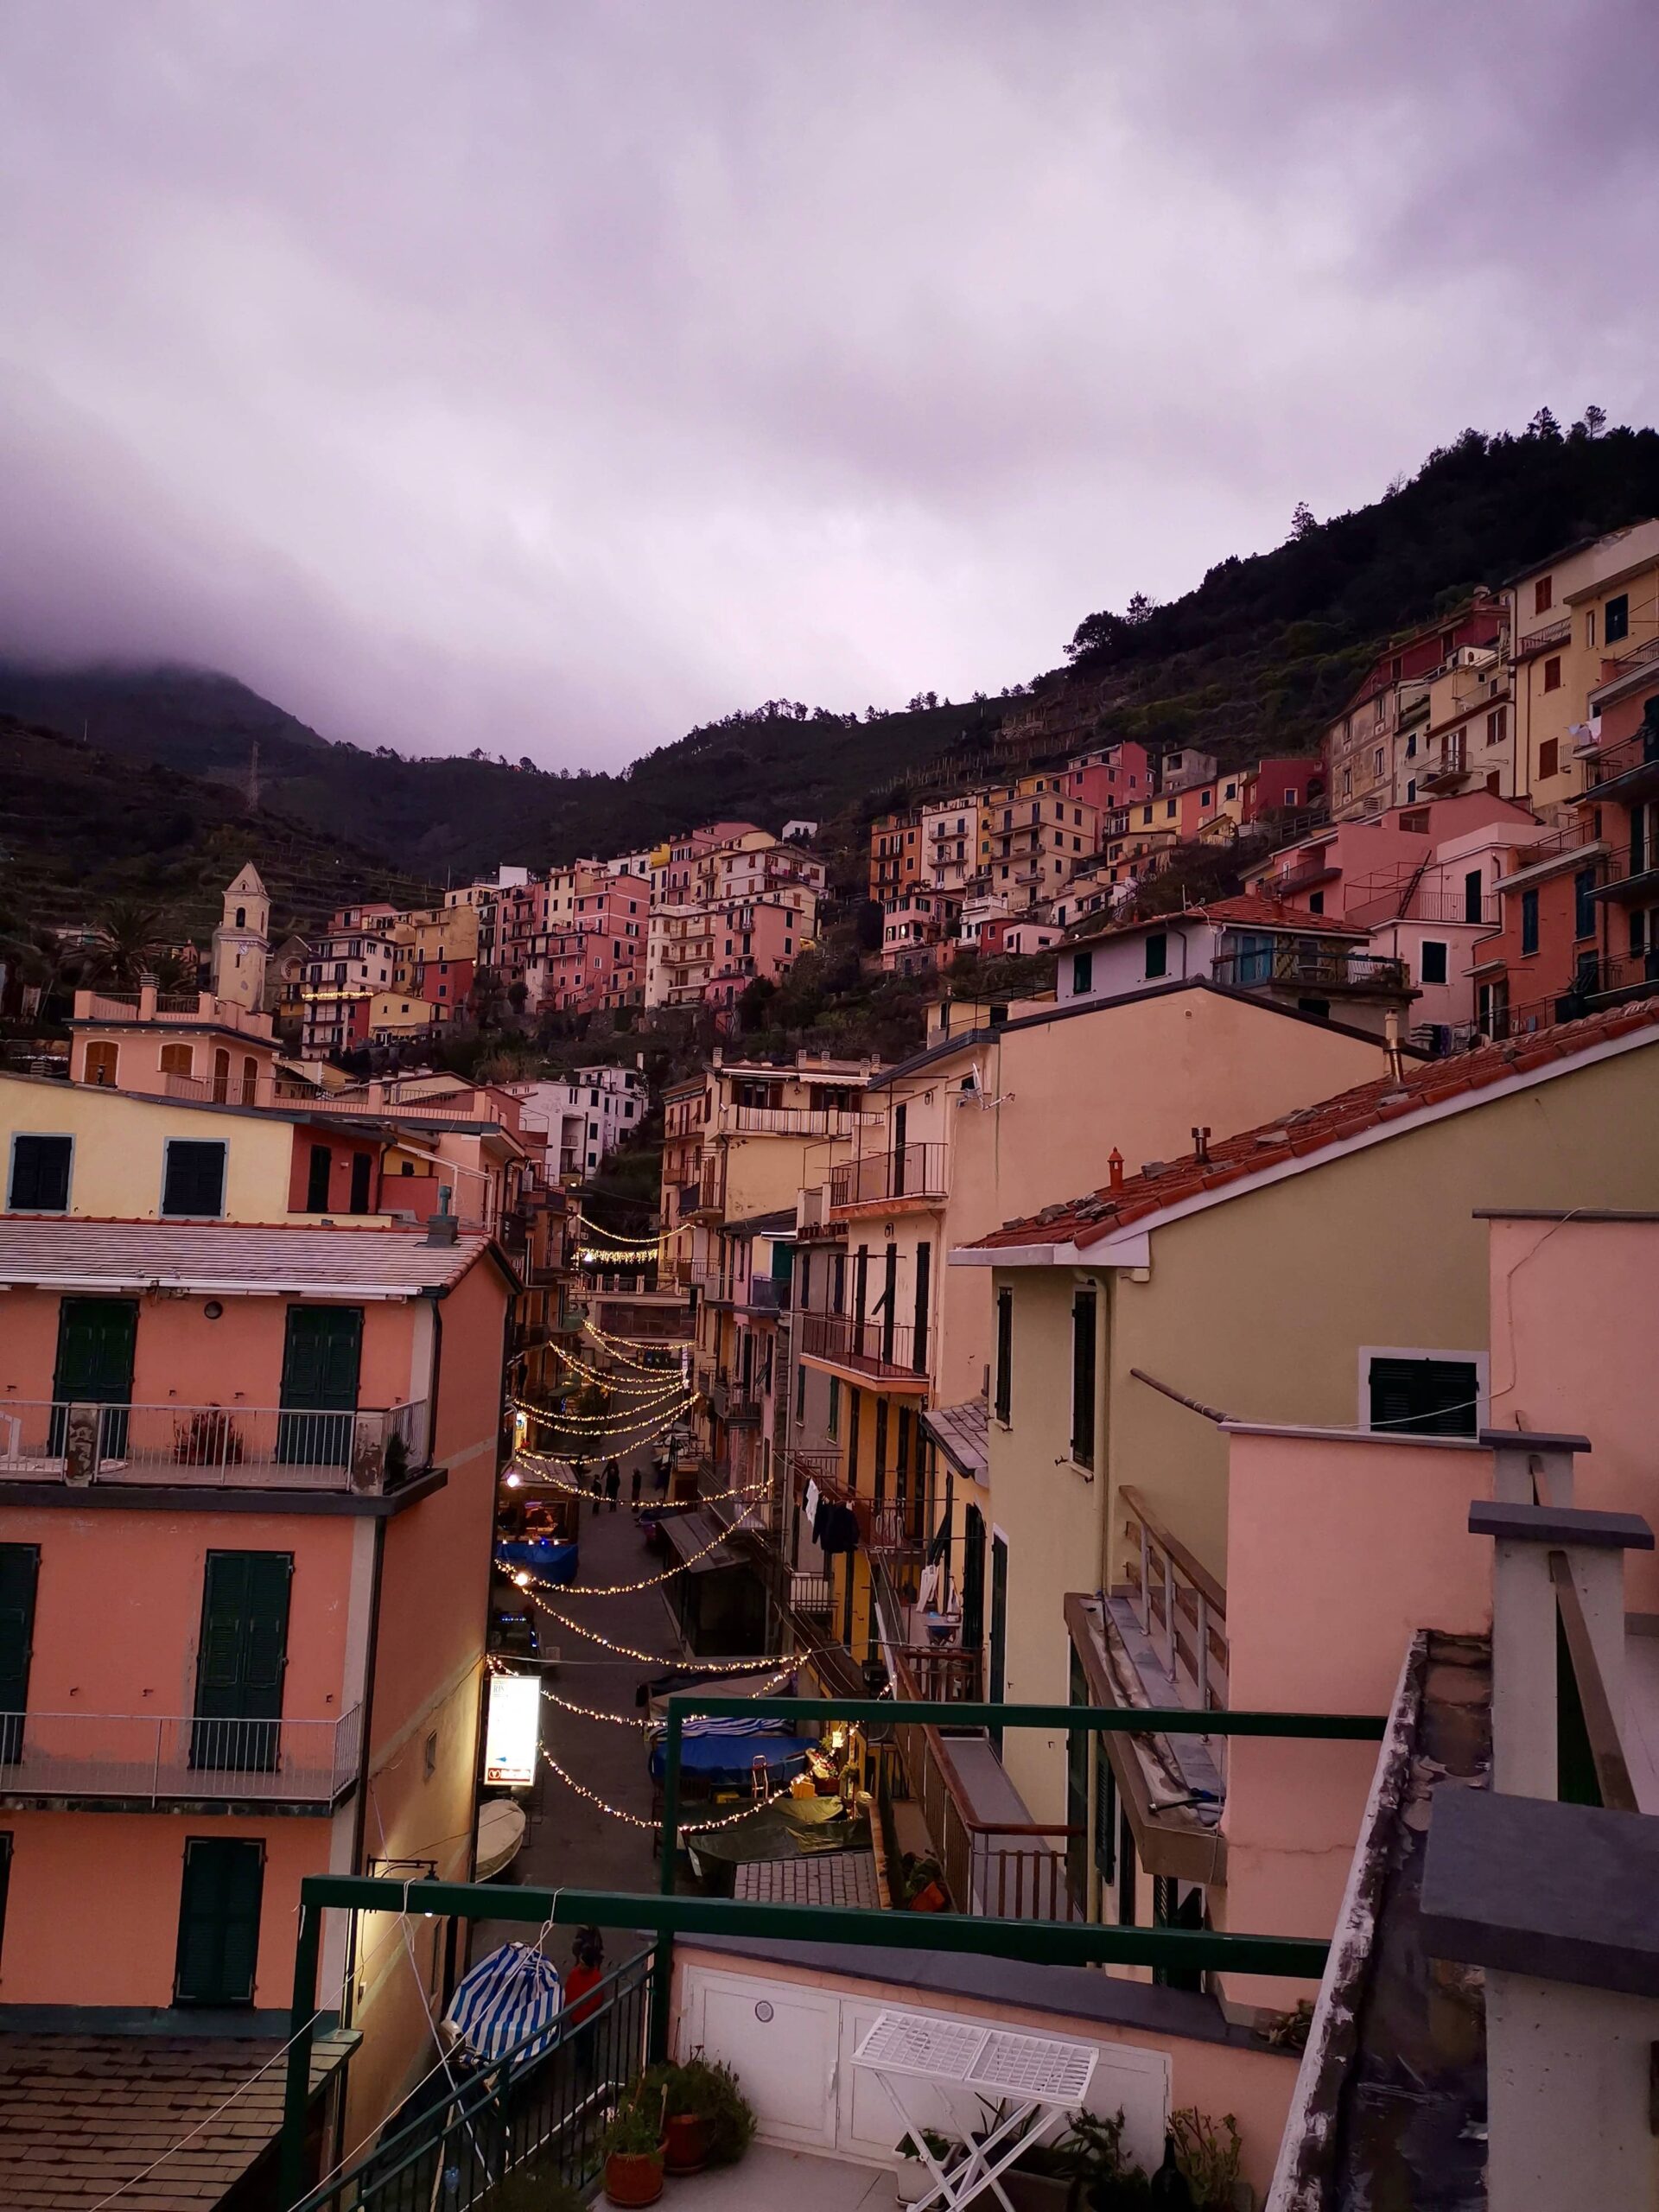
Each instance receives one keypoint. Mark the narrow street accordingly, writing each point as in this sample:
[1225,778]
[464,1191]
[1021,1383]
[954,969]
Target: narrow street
[571,1842]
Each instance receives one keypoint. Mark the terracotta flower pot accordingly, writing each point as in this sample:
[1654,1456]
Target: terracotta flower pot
[688,2143]
[635,2177]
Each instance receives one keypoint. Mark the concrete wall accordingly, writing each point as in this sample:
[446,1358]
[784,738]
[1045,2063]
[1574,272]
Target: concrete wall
[1575,1316]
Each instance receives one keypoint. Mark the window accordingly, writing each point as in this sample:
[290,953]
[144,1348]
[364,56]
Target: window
[1290,794]
[1496,723]
[1473,901]
[1171,808]
[1548,757]
[1411,747]
[219,1921]
[1316,902]
[832,1424]
[1616,619]
[40,1175]
[177,1059]
[1590,627]
[1376,761]
[1543,594]
[1424,1397]
[193,1180]
[1529,922]
[1082,1378]
[101,1063]
[1157,955]
[1583,903]
[317,1178]
[1003,1408]
[1082,972]
[1432,968]
[1553,673]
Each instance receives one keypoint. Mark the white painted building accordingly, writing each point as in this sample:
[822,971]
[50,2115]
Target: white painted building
[587,1113]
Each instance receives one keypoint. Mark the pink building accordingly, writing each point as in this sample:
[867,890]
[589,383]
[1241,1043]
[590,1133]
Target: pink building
[592,953]
[246,1498]
[1281,786]
[1110,777]
[1349,865]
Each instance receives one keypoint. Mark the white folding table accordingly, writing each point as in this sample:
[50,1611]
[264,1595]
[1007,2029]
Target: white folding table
[1035,2080]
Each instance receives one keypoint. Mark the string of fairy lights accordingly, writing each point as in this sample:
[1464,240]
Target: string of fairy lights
[637,1820]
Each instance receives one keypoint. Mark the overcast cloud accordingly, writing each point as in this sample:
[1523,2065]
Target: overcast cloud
[552,374]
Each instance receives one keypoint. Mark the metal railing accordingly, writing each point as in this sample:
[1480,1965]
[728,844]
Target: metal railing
[1539,641]
[1627,759]
[910,1171]
[1181,1606]
[1009,1872]
[1311,968]
[882,1348]
[155,1759]
[211,1446]
[541,2107]
[794,1121]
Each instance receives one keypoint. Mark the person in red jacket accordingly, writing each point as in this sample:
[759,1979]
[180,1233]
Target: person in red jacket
[581,2001]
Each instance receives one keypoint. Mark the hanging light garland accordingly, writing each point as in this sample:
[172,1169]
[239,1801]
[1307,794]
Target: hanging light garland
[649,1381]
[656,1658]
[651,1827]
[651,1581]
[642,1721]
[587,1227]
[576,1490]
[618,1440]
[556,1417]
[618,1347]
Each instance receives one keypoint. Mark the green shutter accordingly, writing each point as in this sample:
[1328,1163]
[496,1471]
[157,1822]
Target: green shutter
[20,1568]
[194,1180]
[241,1661]
[1424,1397]
[219,1921]
[1082,1378]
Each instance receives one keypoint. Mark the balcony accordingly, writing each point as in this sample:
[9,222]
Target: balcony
[736,1403]
[1628,772]
[1288,966]
[1179,1607]
[871,1351]
[911,1171]
[792,1121]
[1303,877]
[1632,877]
[1449,770]
[1545,640]
[136,1760]
[370,1453]
[765,1294]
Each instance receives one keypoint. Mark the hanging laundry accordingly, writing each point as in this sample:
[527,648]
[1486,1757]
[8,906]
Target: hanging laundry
[811,1503]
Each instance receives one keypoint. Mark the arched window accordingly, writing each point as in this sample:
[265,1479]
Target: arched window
[178,1060]
[241,917]
[221,1077]
[249,1081]
[100,1065]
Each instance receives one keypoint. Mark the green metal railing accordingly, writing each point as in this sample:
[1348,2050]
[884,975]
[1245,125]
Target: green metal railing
[1048,1942]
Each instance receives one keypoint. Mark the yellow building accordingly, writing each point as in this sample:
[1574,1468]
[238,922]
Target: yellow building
[394,1014]
[1576,619]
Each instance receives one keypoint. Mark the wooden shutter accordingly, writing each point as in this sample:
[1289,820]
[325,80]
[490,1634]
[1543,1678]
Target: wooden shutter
[195,1182]
[924,1290]
[40,1175]
[219,1921]
[20,1568]
[1424,1397]
[317,1179]
[362,1168]
[243,1650]
[1004,1354]
[1082,1378]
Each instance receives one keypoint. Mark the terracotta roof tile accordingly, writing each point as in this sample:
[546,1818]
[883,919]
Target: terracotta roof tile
[1249,910]
[1386,1098]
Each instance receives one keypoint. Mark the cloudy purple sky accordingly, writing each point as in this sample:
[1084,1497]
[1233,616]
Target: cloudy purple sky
[552,374]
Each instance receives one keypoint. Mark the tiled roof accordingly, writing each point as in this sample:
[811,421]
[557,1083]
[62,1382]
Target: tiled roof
[1102,1213]
[83,2116]
[1249,910]
[225,1256]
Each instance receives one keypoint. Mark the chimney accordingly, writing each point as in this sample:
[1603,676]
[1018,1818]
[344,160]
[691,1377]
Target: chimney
[149,983]
[1115,1169]
[1201,1146]
[442,1227]
[1391,1045]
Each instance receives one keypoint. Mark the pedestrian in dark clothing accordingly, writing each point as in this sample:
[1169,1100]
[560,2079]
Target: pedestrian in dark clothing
[613,1484]
[634,1482]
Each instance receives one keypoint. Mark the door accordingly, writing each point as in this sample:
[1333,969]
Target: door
[96,1337]
[899,1116]
[320,1354]
[20,1568]
[241,1660]
[219,1921]
[973,1580]
[362,1170]
[999,1652]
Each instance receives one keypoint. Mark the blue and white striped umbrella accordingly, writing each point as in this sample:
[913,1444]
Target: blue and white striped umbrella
[504,2000]
[710,1725]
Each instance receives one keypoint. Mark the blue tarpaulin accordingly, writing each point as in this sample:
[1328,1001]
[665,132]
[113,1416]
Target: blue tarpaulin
[545,1556]
[505,2000]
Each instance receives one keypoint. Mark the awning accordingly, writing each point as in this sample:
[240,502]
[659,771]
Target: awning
[962,1433]
[693,1534]
[504,2001]
[546,1557]
[730,1759]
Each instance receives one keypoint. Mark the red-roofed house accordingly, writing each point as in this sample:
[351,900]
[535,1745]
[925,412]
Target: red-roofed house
[1326,1269]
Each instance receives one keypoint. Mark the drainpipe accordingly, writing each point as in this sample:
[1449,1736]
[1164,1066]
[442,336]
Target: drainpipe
[359,1817]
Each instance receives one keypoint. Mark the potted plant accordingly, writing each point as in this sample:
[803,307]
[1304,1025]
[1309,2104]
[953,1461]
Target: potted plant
[913,2181]
[708,2088]
[685,2129]
[1209,2157]
[631,2146]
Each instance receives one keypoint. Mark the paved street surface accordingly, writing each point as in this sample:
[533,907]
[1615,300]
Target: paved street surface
[571,1843]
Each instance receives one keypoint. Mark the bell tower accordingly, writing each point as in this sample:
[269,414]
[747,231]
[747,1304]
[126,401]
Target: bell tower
[241,943]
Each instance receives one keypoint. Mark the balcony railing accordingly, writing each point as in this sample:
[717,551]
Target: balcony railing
[911,1171]
[209,1447]
[152,1759]
[766,1295]
[794,1121]
[885,1349]
[734,1402]
[1540,641]
[1629,771]
[1312,968]
[1302,877]
[1179,1605]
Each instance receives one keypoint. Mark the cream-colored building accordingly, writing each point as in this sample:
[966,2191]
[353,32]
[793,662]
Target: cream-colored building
[1577,620]
[1326,1269]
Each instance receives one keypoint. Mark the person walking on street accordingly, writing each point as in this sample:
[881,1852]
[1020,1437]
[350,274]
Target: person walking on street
[634,1482]
[582,1976]
[613,1483]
